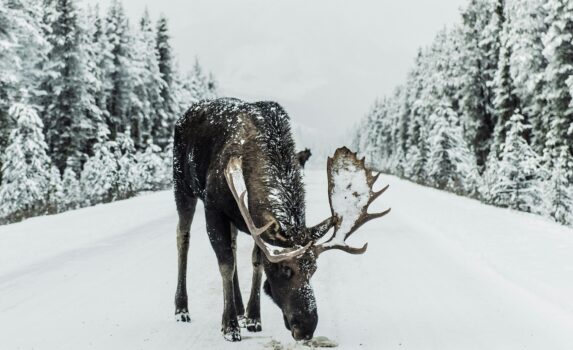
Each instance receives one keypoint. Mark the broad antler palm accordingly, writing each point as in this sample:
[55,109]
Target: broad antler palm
[350,194]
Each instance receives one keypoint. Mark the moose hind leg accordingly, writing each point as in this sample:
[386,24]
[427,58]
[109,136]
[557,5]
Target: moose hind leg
[253,319]
[186,209]
[219,231]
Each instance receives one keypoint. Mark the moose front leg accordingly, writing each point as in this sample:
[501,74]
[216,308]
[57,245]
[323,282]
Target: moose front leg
[239,307]
[219,231]
[253,321]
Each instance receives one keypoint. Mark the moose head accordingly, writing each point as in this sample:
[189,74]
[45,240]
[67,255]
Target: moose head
[288,264]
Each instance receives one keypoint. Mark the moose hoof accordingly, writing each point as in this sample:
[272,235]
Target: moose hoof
[182,316]
[254,324]
[232,334]
[242,321]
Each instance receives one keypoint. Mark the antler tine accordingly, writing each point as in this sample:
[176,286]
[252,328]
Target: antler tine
[377,194]
[367,217]
[278,254]
[372,178]
[346,248]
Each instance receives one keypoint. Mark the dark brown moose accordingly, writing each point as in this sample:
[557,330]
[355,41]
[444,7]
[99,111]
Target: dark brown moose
[239,159]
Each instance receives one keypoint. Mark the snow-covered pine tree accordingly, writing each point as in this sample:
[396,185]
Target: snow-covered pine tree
[165,120]
[558,191]
[480,51]
[22,48]
[527,64]
[516,182]
[558,51]
[147,102]
[128,177]
[451,163]
[368,145]
[26,167]
[71,190]
[198,83]
[121,74]
[505,101]
[56,192]
[69,107]
[400,111]
[103,60]
[416,142]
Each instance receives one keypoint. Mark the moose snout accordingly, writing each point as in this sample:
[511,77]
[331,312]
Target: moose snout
[302,327]
[300,334]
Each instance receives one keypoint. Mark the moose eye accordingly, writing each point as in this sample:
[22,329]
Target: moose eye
[286,271]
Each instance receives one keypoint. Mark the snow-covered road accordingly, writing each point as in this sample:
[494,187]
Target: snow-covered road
[441,272]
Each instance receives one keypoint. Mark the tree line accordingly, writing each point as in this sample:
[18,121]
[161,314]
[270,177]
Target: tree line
[487,109]
[87,105]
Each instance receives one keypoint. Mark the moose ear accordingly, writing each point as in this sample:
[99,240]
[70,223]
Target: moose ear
[274,230]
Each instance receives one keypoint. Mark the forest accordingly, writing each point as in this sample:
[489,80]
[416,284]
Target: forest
[486,111]
[87,105]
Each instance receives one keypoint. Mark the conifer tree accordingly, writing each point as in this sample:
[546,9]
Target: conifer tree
[71,190]
[120,75]
[516,182]
[165,120]
[527,64]
[26,167]
[451,164]
[69,106]
[505,101]
[148,85]
[23,47]
[481,24]
[558,51]
[55,192]
[128,178]
[559,198]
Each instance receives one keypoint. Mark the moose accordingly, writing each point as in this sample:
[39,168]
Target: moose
[239,159]
[303,157]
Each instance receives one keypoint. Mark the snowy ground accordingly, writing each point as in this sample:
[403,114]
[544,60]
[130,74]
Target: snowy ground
[441,272]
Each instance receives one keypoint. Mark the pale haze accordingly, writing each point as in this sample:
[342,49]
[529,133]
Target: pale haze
[325,61]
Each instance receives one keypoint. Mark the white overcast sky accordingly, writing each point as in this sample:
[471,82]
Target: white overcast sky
[325,61]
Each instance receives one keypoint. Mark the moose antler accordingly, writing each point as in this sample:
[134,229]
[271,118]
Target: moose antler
[349,194]
[236,183]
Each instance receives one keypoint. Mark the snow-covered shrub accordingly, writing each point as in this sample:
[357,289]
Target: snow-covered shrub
[71,190]
[128,178]
[99,175]
[152,169]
